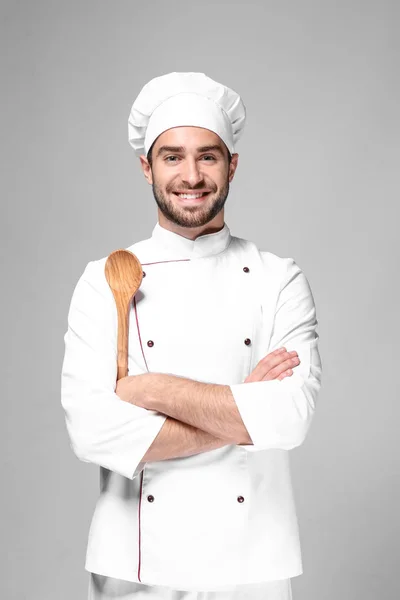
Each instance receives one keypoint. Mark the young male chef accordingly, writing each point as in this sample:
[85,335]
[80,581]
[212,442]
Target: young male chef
[196,500]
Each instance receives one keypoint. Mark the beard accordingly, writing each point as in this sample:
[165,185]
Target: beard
[191,216]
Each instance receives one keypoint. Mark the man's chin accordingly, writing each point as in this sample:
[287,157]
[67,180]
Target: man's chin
[188,216]
[189,221]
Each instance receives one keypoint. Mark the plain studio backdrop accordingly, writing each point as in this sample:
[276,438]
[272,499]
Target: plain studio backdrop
[317,181]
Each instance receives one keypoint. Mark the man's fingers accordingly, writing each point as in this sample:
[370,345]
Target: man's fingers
[289,363]
[273,365]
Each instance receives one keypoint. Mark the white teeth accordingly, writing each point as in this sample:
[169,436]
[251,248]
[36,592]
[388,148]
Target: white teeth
[190,196]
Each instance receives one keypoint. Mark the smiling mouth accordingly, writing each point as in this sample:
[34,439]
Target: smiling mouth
[193,196]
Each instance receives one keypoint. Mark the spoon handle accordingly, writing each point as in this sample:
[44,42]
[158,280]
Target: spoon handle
[123,310]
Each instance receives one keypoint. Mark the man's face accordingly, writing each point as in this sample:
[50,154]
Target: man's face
[190,161]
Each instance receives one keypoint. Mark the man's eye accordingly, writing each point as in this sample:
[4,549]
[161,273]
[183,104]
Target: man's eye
[175,158]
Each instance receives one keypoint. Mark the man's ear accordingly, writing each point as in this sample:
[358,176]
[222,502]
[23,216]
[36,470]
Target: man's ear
[146,169]
[233,165]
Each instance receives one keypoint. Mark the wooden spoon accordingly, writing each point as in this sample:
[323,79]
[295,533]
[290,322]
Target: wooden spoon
[124,275]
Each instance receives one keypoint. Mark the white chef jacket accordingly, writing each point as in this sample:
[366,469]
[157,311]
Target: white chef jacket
[208,309]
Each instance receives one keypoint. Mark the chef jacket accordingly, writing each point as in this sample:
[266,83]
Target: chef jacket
[207,309]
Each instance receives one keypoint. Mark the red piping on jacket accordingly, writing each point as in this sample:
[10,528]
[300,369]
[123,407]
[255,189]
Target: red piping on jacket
[140,531]
[145,362]
[166,261]
[138,330]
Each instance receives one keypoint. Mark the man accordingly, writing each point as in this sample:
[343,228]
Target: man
[195,498]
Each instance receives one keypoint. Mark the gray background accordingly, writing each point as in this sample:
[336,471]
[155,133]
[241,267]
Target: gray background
[316,181]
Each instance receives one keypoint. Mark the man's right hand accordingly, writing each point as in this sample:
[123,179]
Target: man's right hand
[275,365]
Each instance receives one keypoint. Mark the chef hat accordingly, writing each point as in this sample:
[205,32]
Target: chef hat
[185,99]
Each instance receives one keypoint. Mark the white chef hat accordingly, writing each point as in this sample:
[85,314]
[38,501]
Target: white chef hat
[185,99]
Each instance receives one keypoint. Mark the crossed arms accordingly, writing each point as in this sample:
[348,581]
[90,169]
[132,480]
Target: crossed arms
[201,416]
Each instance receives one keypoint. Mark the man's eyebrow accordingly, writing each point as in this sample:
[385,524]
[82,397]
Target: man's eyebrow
[214,147]
[170,149]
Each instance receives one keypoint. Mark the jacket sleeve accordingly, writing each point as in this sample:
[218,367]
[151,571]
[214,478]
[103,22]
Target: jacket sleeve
[103,429]
[278,414]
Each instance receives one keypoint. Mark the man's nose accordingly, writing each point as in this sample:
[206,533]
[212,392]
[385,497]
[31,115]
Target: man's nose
[191,173]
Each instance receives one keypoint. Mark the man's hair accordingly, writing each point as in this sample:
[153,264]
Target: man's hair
[150,157]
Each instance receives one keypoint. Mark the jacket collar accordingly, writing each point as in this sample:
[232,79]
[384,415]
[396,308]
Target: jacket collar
[181,247]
